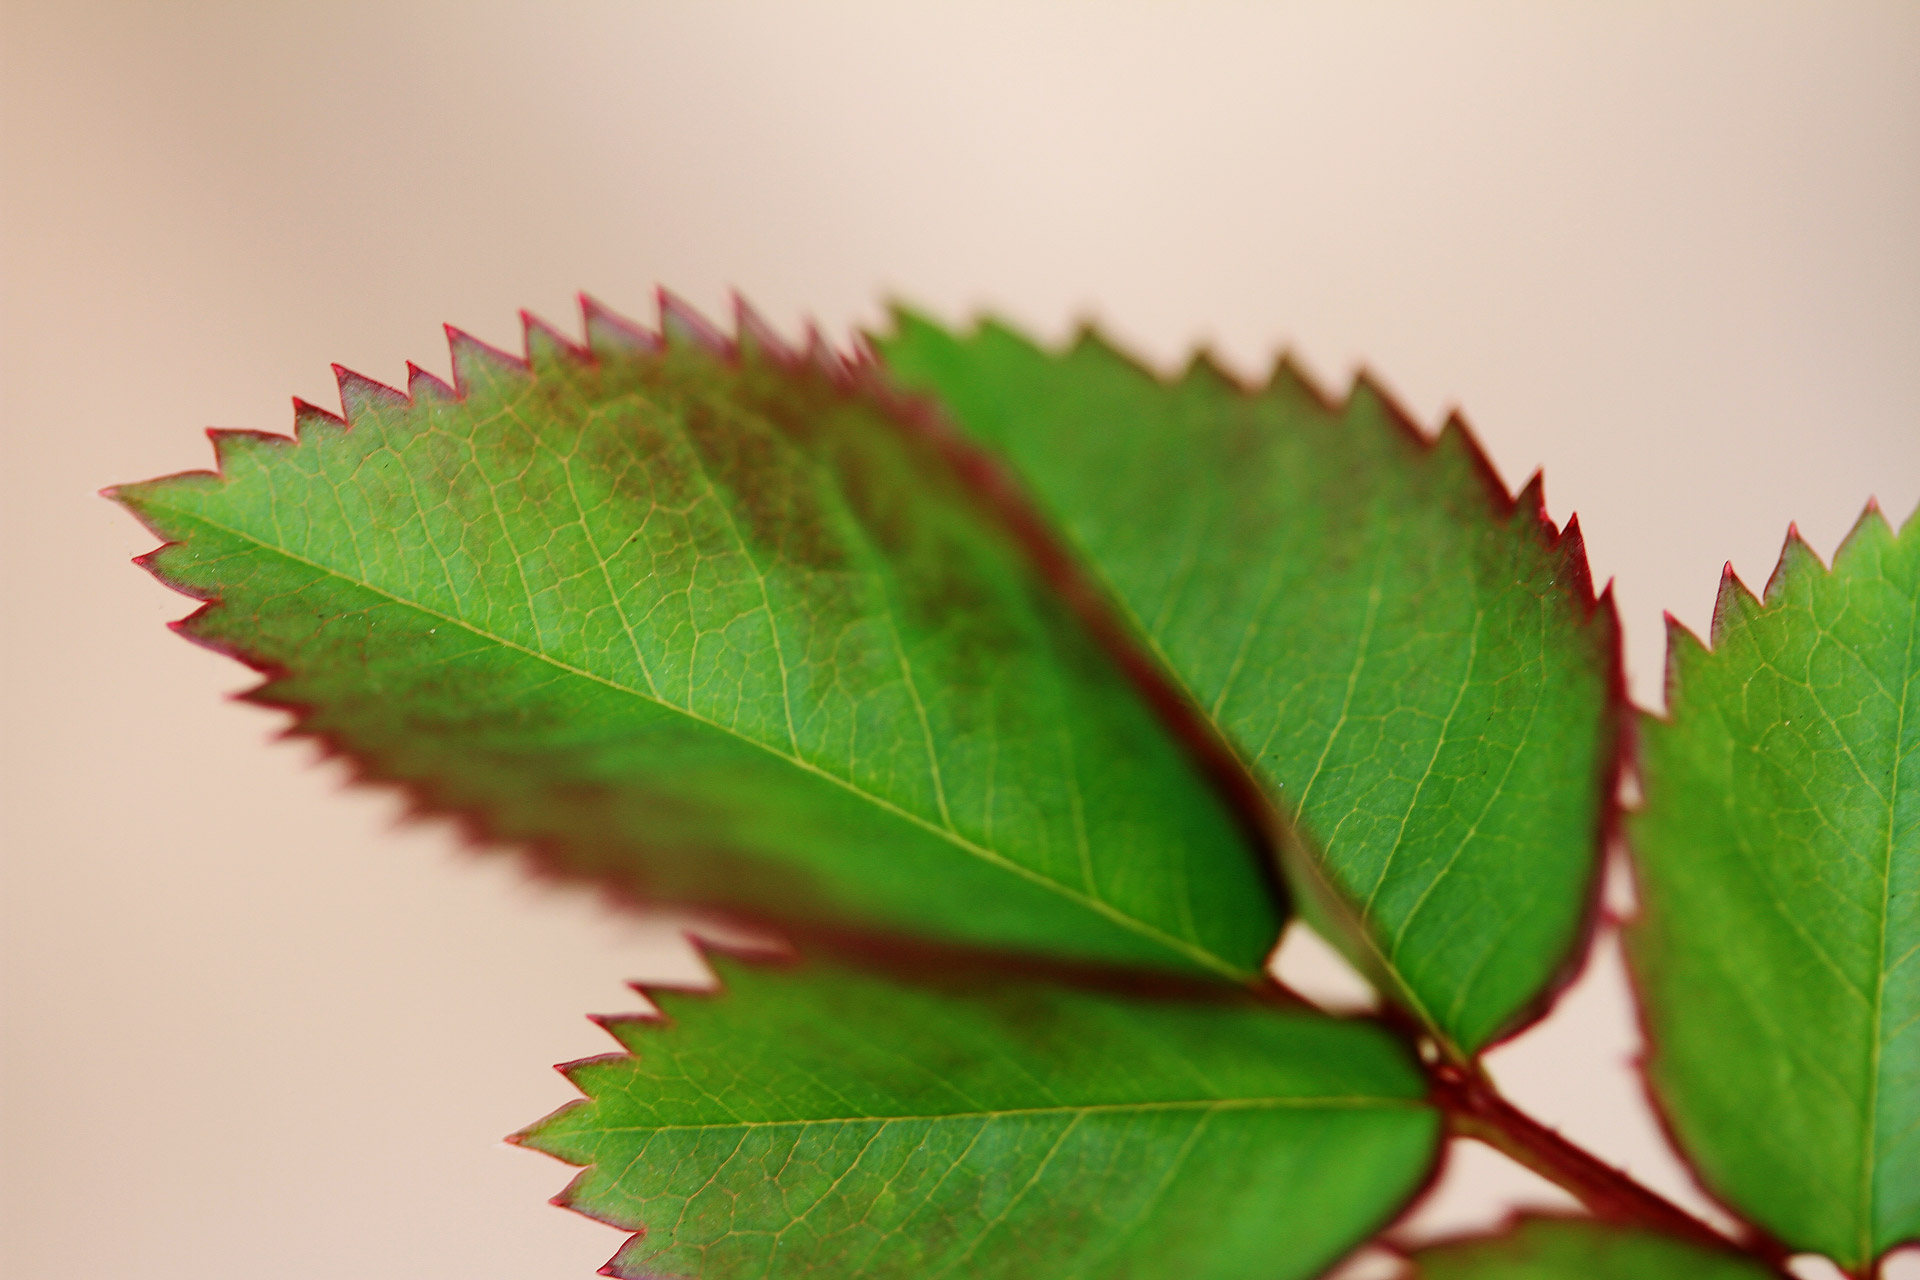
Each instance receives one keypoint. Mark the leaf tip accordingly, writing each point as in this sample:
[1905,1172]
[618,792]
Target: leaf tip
[426,388]
[1367,391]
[544,344]
[311,420]
[1607,599]
[1872,529]
[139,501]
[189,627]
[1796,559]
[830,364]
[476,362]
[1684,647]
[905,318]
[757,334]
[682,324]
[1090,342]
[1205,366]
[1292,379]
[1572,545]
[608,332]
[1733,603]
[1456,435]
[1532,497]
[360,395]
[1795,547]
[232,446]
[627,1029]
[580,1072]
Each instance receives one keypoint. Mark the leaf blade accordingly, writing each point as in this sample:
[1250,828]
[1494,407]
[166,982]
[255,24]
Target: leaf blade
[878,1127]
[1779,854]
[617,603]
[1412,662]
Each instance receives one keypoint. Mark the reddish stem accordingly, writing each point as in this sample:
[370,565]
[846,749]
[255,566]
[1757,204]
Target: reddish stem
[1476,1110]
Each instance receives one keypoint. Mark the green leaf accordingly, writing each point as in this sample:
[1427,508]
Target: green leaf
[834,1122]
[713,626]
[1413,662]
[1580,1249]
[1778,949]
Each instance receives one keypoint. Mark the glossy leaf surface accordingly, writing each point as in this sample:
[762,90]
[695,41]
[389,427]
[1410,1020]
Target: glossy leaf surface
[711,626]
[830,1122]
[1412,662]
[1579,1249]
[1778,953]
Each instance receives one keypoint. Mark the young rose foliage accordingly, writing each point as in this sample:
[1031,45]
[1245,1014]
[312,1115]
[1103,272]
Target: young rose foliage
[1012,702]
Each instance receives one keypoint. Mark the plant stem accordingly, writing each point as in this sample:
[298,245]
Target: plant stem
[1475,1109]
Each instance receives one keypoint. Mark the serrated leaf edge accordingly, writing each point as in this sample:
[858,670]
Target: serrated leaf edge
[652,1015]
[654,1019]
[860,374]
[1736,607]
[473,361]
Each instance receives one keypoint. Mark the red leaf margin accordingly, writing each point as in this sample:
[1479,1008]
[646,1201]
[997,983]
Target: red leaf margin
[932,964]
[1732,597]
[861,374]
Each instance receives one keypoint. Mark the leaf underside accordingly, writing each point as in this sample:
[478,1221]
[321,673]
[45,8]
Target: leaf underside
[712,623]
[1411,661]
[1778,950]
[1579,1249]
[828,1121]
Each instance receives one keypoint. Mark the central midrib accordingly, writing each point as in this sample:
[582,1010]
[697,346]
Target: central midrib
[958,841]
[1871,1144]
[1335,1102]
[1356,925]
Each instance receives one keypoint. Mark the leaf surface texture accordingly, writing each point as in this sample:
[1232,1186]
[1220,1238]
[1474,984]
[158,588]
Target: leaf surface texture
[1411,662]
[1579,1249]
[715,625]
[1778,952]
[832,1122]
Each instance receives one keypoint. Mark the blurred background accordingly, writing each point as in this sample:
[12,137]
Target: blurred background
[252,1025]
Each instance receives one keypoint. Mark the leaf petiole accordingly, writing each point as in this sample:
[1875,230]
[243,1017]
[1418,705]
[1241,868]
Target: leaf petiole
[1475,1109]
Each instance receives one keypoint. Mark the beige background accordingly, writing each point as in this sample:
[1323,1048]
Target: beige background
[252,1027]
